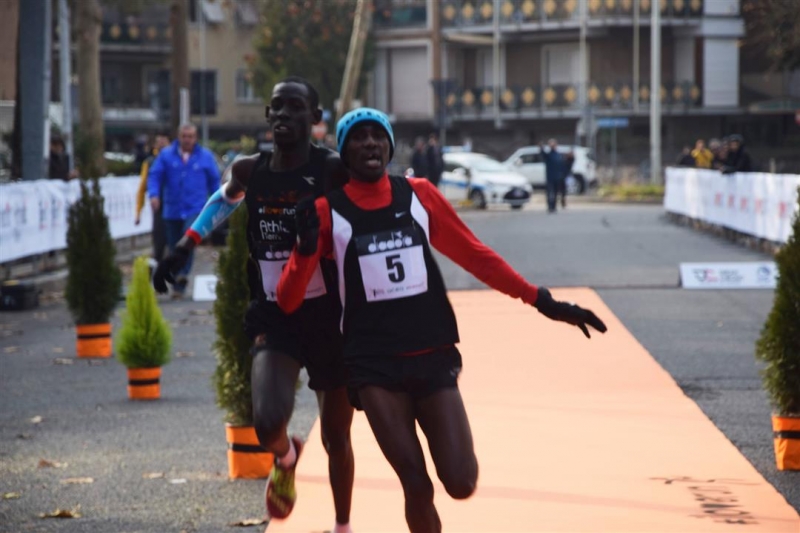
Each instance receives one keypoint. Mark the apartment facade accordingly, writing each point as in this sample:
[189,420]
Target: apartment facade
[511,72]
[135,62]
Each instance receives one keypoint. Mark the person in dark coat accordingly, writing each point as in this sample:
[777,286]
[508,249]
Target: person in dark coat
[419,160]
[554,170]
[686,159]
[58,161]
[435,160]
[738,159]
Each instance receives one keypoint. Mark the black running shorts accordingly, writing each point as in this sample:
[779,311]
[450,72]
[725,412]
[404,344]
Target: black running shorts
[418,375]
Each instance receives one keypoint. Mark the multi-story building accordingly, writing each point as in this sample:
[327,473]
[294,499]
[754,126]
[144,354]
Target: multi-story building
[135,61]
[219,48]
[514,72]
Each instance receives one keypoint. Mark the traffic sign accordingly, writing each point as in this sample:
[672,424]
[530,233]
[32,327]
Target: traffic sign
[613,122]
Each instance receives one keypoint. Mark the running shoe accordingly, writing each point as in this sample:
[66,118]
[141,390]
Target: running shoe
[281,494]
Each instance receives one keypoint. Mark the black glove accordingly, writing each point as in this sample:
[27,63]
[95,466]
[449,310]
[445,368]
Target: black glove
[168,267]
[307,223]
[567,312]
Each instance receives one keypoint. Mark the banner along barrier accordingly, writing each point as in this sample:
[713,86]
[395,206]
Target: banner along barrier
[754,203]
[33,214]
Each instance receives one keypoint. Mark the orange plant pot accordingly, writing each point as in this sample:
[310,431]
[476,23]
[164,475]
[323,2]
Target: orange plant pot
[786,434]
[94,340]
[246,458]
[144,383]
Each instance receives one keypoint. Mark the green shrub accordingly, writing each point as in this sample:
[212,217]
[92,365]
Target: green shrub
[232,347]
[145,339]
[779,344]
[120,168]
[94,280]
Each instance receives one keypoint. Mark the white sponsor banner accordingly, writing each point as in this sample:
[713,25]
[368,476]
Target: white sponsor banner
[33,214]
[205,288]
[756,275]
[758,204]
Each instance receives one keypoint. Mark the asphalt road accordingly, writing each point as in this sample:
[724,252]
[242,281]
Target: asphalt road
[630,254]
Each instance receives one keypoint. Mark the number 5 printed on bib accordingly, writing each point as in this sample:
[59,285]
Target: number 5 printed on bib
[392,264]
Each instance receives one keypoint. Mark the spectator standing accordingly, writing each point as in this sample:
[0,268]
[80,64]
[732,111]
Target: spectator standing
[58,161]
[686,159]
[184,175]
[702,155]
[738,159]
[554,170]
[435,160]
[419,159]
[158,233]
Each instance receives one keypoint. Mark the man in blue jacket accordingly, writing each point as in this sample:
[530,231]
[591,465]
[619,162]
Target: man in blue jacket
[187,174]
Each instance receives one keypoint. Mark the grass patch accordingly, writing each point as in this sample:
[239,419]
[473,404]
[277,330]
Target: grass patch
[631,192]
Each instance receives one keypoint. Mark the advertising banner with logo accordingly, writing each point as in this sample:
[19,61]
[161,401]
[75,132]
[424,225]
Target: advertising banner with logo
[758,204]
[33,214]
[756,275]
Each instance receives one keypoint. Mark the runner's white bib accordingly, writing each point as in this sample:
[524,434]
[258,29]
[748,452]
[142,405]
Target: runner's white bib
[272,263]
[392,264]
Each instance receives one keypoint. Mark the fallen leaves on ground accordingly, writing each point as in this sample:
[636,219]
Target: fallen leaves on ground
[24,436]
[11,349]
[11,495]
[153,475]
[63,513]
[178,481]
[249,522]
[44,463]
[199,312]
[77,480]
[58,349]
[184,354]
[36,420]
[96,362]
[62,361]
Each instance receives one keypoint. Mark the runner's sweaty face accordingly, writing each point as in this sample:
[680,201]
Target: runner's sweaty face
[367,152]
[290,115]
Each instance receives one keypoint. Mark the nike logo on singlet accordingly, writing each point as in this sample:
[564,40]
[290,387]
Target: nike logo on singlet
[309,179]
[398,215]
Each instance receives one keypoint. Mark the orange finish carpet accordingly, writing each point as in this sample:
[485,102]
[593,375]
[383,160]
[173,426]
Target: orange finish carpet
[571,435]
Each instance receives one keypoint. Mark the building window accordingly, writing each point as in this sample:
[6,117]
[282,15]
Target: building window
[244,87]
[193,11]
[401,14]
[246,13]
[203,93]
[110,89]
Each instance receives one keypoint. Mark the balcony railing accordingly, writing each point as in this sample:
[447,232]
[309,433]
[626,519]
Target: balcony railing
[394,15]
[566,97]
[457,13]
[135,34]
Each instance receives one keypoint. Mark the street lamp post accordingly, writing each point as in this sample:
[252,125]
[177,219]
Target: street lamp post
[655,93]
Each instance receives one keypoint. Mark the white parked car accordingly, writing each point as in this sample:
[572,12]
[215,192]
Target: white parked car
[528,161]
[482,180]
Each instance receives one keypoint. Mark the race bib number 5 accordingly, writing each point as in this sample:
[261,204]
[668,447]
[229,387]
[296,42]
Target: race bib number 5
[392,264]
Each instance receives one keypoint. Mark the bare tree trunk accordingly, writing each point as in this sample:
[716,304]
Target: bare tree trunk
[88,24]
[355,56]
[180,57]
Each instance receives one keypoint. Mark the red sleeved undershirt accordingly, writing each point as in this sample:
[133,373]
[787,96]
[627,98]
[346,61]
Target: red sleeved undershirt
[448,234]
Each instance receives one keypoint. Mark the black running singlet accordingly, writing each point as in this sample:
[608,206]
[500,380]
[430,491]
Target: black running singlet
[270,199]
[390,287]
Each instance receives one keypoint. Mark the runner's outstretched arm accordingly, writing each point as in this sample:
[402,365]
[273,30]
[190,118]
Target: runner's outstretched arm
[218,208]
[454,239]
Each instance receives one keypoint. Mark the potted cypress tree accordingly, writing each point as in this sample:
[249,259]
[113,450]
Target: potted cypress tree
[246,458]
[779,348]
[94,280]
[144,340]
